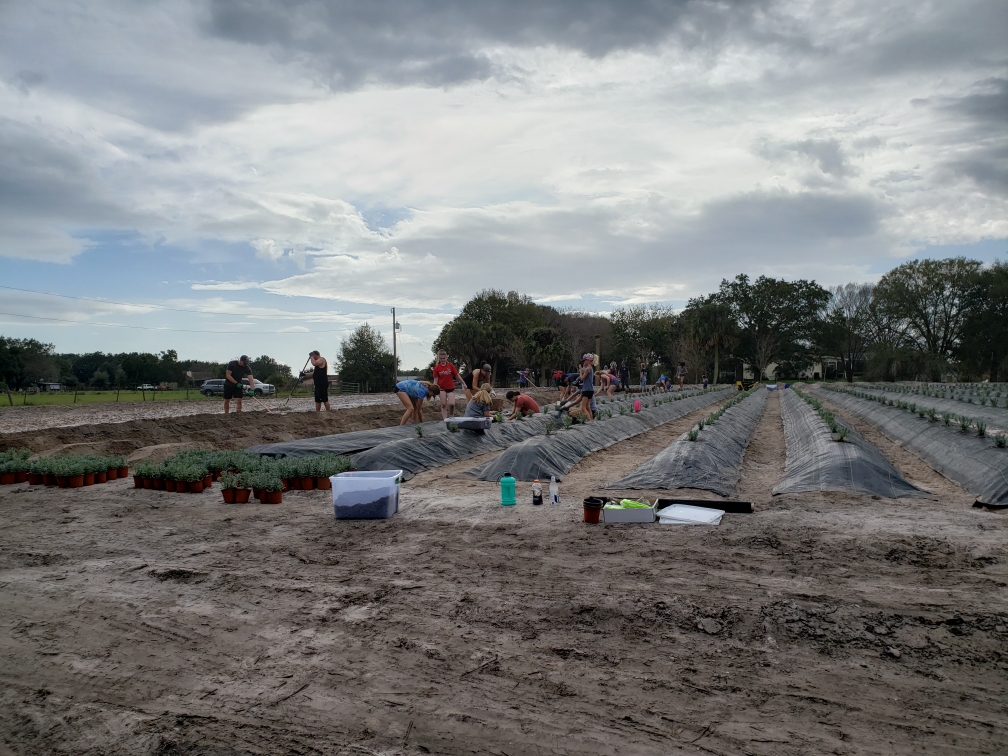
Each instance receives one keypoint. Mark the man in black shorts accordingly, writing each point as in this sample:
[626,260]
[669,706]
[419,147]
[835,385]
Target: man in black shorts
[233,387]
[320,378]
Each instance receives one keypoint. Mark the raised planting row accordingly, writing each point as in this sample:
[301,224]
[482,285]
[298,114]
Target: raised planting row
[995,394]
[826,454]
[709,456]
[194,472]
[973,462]
[423,452]
[984,422]
[68,471]
[355,442]
[555,454]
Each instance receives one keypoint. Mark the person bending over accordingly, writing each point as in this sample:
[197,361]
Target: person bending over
[233,388]
[475,378]
[412,395]
[523,404]
[614,381]
[320,380]
[563,386]
[446,375]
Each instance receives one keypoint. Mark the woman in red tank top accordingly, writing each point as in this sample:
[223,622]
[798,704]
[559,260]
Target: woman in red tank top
[446,375]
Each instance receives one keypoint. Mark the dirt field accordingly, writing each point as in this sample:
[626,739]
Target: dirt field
[21,419]
[155,623]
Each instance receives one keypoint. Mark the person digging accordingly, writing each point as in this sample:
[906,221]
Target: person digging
[523,404]
[236,371]
[320,379]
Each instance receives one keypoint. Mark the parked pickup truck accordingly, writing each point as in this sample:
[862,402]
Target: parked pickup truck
[215,387]
[146,387]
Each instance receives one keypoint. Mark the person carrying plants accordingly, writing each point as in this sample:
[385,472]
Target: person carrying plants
[233,388]
[446,375]
[320,379]
[412,394]
[523,404]
[587,376]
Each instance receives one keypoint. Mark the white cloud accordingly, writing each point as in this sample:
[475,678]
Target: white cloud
[566,151]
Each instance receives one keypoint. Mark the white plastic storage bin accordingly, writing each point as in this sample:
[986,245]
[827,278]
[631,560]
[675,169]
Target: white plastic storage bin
[372,495]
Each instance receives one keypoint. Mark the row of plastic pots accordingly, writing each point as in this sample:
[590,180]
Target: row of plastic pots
[173,486]
[64,481]
[266,496]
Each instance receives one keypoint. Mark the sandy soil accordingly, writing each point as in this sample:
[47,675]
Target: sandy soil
[21,419]
[212,429]
[148,622]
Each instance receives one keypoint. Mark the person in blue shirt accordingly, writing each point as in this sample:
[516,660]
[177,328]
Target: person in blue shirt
[412,394]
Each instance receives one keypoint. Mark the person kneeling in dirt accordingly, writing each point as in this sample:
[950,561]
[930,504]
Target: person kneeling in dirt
[481,404]
[412,394]
[320,379]
[233,387]
[523,404]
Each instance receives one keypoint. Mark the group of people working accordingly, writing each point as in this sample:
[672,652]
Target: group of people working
[575,388]
[446,379]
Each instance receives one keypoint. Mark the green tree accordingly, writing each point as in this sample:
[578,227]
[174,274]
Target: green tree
[713,325]
[928,302]
[984,345]
[267,369]
[645,334]
[24,361]
[365,358]
[779,321]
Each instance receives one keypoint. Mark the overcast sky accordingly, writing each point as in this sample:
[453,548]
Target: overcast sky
[261,176]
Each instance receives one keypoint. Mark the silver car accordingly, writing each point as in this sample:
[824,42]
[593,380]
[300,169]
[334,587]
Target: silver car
[215,387]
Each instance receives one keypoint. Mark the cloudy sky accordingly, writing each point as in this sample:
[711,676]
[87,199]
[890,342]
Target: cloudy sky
[261,176]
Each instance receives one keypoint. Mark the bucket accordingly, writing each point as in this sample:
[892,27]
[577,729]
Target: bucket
[593,509]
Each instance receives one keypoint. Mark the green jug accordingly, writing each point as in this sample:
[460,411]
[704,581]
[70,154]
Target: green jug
[507,486]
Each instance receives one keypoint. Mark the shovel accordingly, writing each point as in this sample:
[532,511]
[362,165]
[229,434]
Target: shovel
[297,381]
[256,399]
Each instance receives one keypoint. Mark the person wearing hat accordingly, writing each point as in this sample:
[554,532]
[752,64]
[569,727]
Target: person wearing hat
[233,388]
[320,378]
[587,376]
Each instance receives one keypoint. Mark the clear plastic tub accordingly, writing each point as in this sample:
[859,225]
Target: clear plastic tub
[370,495]
[470,423]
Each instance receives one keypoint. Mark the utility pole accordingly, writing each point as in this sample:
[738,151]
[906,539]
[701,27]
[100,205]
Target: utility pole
[395,356]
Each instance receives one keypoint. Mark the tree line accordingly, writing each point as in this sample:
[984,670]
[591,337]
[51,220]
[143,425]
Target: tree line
[925,319]
[24,362]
